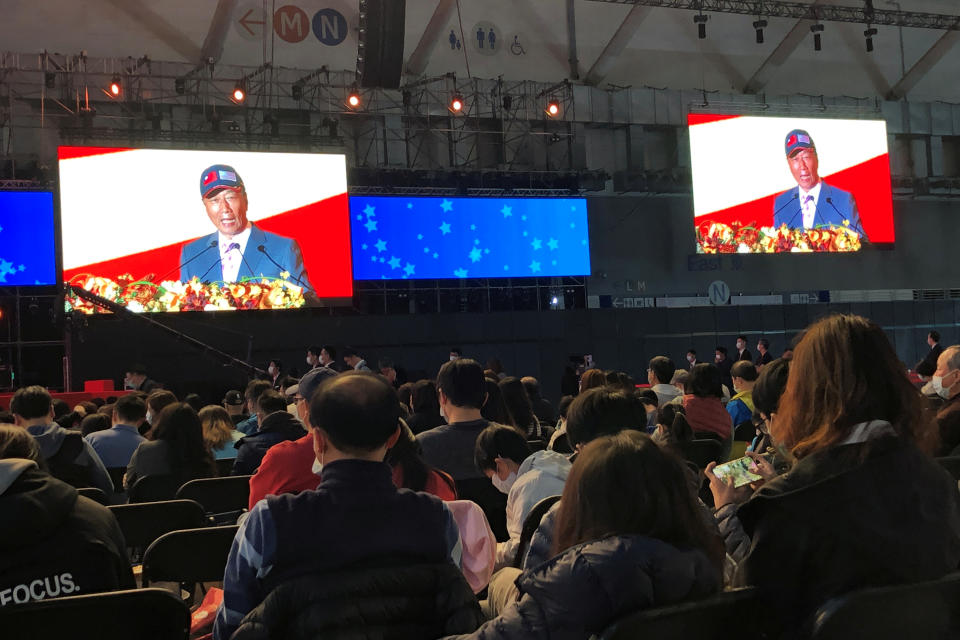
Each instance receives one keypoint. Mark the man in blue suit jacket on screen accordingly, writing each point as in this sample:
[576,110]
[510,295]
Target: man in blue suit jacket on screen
[813,202]
[242,249]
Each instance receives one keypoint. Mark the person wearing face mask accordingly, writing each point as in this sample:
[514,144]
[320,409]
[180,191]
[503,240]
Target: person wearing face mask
[691,359]
[504,456]
[313,357]
[946,384]
[742,352]
[275,371]
[724,364]
[136,379]
[455,353]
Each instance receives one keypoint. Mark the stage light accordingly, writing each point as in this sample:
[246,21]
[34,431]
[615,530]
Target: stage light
[701,21]
[868,34]
[816,29]
[115,86]
[456,103]
[296,91]
[760,25]
[180,86]
[553,108]
[353,99]
[239,93]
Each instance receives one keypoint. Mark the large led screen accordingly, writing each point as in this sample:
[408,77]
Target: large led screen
[425,237]
[28,254]
[772,185]
[177,230]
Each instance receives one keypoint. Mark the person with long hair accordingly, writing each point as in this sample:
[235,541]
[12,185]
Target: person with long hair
[629,537]
[704,409]
[518,403]
[424,406]
[864,504]
[592,378]
[411,472]
[218,431]
[494,408]
[177,449]
[156,402]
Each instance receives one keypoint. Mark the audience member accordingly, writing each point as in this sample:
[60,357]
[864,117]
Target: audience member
[518,403]
[219,433]
[288,467]
[629,537]
[116,445]
[424,407]
[354,420]
[766,394]
[274,373]
[704,409]
[177,449]
[659,374]
[541,406]
[851,512]
[763,348]
[354,360]
[494,364]
[394,375]
[651,402]
[494,408]
[67,456]
[411,472]
[559,441]
[87,407]
[724,364]
[253,391]
[60,408]
[276,425]
[157,401]
[691,359]
[679,380]
[742,352]
[135,379]
[526,477]
[460,385]
[328,358]
[672,427]
[53,542]
[90,424]
[926,367]
[591,379]
[234,405]
[455,353]
[946,383]
[195,401]
[740,407]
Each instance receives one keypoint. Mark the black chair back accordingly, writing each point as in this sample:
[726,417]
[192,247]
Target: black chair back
[155,488]
[745,432]
[95,494]
[144,522]
[491,500]
[530,525]
[116,476]
[225,467]
[145,614]
[218,495]
[701,452]
[189,555]
[726,615]
[951,464]
[537,445]
[929,610]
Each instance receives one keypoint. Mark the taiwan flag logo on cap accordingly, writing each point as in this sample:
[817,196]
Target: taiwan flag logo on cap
[219,176]
[796,140]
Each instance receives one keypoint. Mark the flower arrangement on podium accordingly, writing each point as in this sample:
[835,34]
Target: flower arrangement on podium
[736,237]
[172,295]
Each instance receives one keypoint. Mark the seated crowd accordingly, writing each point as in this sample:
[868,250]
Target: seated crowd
[405,499]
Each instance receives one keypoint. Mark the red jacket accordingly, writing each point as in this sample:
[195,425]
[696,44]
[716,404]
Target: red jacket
[707,414]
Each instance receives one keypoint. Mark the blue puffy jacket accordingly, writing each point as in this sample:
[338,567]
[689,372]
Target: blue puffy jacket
[587,587]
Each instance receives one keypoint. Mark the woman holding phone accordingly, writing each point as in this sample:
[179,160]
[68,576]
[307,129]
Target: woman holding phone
[864,504]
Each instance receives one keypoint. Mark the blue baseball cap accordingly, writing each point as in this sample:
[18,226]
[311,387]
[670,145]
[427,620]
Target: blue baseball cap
[798,139]
[219,176]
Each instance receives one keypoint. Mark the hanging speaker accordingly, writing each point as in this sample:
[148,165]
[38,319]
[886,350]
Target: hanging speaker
[381,42]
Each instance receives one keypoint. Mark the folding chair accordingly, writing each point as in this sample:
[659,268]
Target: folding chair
[225,466]
[730,614]
[95,494]
[116,475]
[929,610]
[188,556]
[145,614]
[223,498]
[530,525]
[155,488]
[142,523]
[701,452]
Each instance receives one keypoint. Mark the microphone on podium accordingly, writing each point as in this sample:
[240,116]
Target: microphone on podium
[263,250]
[212,244]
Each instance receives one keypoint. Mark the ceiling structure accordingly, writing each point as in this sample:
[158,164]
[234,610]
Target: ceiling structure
[643,43]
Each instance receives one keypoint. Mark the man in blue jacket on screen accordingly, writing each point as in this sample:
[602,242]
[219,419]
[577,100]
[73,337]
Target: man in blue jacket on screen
[812,203]
[237,249]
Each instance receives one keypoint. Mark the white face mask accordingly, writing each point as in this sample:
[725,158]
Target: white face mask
[690,359]
[504,486]
[452,358]
[149,417]
[272,371]
[740,345]
[937,382]
[310,361]
[317,467]
[442,414]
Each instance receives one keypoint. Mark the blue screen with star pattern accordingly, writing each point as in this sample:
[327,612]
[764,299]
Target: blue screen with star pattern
[399,238]
[27,249]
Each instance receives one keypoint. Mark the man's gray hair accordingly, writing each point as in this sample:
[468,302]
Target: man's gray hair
[953,357]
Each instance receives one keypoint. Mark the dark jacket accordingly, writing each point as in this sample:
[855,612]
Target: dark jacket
[276,428]
[872,513]
[54,542]
[418,601]
[70,458]
[928,365]
[424,421]
[154,458]
[543,410]
[587,587]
